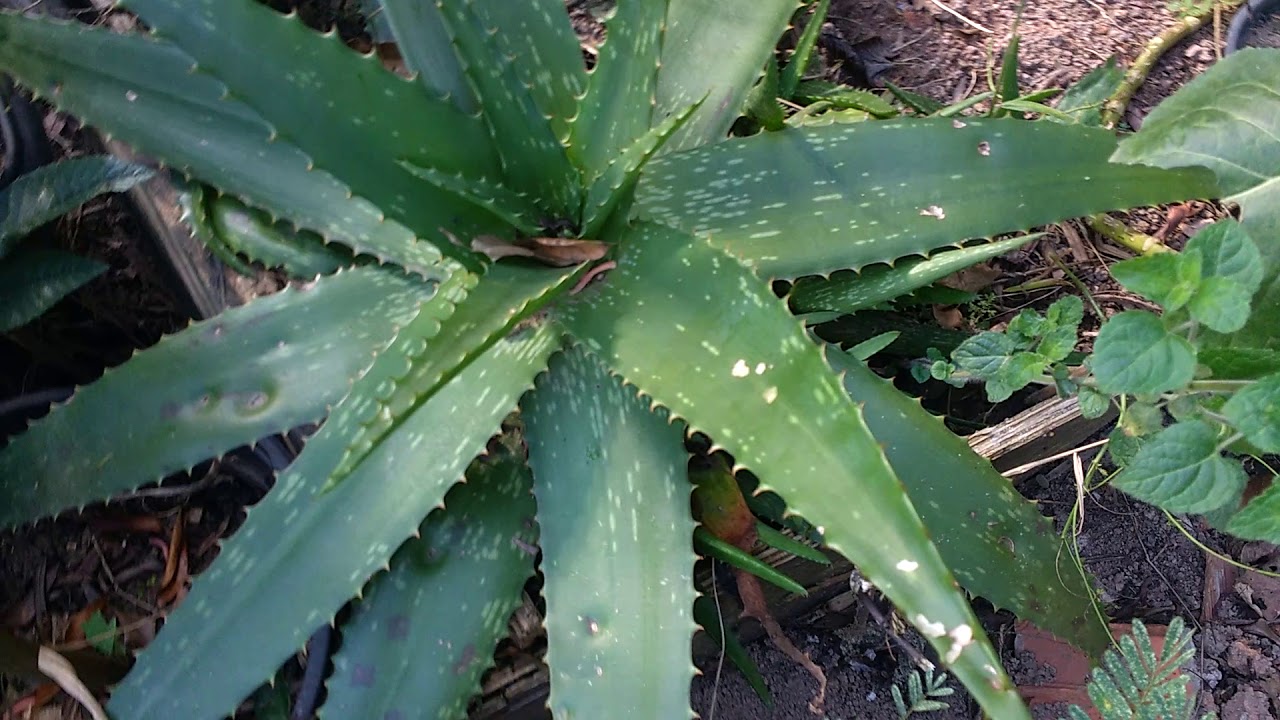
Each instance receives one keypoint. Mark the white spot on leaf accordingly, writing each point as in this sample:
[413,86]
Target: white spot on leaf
[740,369]
[934,211]
[908,565]
[930,629]
[962,637]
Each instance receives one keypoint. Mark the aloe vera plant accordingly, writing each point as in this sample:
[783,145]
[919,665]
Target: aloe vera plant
[586,247]
[33,278]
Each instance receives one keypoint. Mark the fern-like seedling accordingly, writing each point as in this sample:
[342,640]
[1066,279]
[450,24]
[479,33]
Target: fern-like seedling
[1137,684]
[923,691]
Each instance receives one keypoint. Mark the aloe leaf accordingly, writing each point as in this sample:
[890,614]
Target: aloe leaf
[618,179]
[707,615]
[710,545]
[844,97]
[867,349]
[536,34]
[405,652]
[147,97]
[434,347]
[849,292]
[32,280]
[1228,119]
[265,367]
[1019,109]
[385,394]
[749,377]
[820,114]
[994,540]
[762,102]
[712,54]
[249,232]
[371,116]
[613,503]
[195,214]
[786,543]
[618,106]
[920,103]
[533,160]
[954,109]
[50,192]
[799,62]
[424,44]
[914,339]
[328,543]
[816,199]
[539,39]
[497,199]
[1009,76]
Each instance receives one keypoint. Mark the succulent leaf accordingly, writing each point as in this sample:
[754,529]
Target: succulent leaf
[404,652]
[537,33]
[815,199]
[613,504]
[799,62]
[613,187]
[370,114]
[777,540]
[252,371]
[328,543]
[994,540]
[843,97]
[423,42]
[534,162]
[707,615]
[618,107]
[508,205]
[762,104]
[193,200]
[32,280]
[712,546]
[249,232]
[787,418]
[147,97]
[371,117]
[50,192]
[383,396]
[433,348]
[711,54]
[538,38]
[718,501]
[849,292]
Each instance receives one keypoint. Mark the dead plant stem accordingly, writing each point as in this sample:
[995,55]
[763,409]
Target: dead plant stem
[1155,48]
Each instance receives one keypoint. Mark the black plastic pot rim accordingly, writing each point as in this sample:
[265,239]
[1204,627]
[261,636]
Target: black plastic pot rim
[1245,17]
